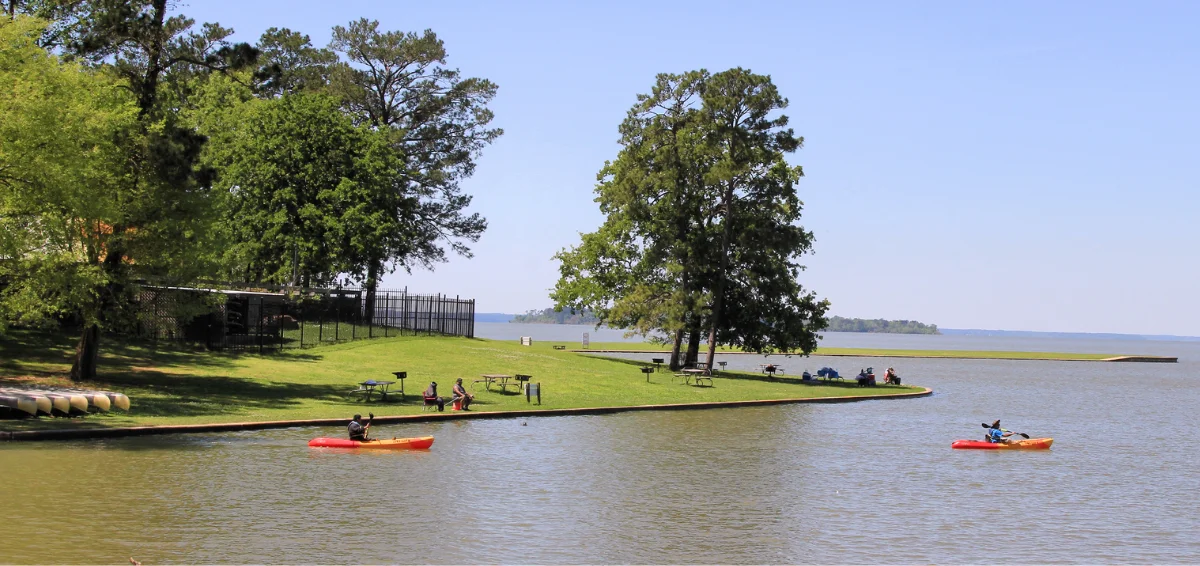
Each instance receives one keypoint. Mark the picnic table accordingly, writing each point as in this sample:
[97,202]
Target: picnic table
[697,375]
[502,380]
[770,369]
[369,387]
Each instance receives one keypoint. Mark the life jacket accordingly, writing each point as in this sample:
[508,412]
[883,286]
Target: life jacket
[357,432]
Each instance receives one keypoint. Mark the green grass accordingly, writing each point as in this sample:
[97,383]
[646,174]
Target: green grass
[183,386]
[865,352]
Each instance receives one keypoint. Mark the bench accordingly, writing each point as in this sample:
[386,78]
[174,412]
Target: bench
[559,347]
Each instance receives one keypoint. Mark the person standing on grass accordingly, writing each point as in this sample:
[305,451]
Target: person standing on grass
[460,394]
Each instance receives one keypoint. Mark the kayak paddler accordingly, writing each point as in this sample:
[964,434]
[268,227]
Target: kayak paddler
[356,428]
[997,434]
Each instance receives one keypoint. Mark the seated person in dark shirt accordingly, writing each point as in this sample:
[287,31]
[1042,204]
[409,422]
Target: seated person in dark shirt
[431,396]
[356,428]
[460,394]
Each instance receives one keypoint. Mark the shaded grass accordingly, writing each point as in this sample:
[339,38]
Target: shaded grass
[182,386]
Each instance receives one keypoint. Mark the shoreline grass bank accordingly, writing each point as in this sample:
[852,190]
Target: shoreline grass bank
[650,348]
[180,386]
[78,433]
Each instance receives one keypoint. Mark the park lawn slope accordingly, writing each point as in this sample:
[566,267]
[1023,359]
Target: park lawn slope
[180,386]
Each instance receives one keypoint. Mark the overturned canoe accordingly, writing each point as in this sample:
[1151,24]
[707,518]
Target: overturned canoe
[44,405]
[1030,444]
[19,405]
[119,400]
[418,443]
[97,401]
[68,403]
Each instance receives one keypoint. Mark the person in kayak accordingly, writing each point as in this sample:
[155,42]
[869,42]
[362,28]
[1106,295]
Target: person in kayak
[460,393]
[356,428]
[996,434]
[431,397]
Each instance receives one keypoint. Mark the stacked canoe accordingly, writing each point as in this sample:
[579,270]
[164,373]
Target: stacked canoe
[18,402]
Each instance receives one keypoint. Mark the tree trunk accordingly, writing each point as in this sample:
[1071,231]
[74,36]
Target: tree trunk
[719,296]
[372,283]
[87,354]
[675,349]
[693,349]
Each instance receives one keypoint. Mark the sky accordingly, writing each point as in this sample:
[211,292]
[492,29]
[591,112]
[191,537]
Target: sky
[1005,165]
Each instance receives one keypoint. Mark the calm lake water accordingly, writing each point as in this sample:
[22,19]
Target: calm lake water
[871,482]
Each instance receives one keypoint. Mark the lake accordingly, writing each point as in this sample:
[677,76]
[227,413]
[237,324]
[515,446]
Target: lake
[866,482]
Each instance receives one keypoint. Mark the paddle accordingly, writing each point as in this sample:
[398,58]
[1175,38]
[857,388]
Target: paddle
[371,417]
[985,425]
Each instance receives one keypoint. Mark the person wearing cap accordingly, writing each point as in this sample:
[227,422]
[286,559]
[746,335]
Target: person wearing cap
[997,434]
[431,397]
[459,393]
[357,430]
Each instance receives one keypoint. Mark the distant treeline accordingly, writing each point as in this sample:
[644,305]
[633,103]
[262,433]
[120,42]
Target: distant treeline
[548,316]
[840,324]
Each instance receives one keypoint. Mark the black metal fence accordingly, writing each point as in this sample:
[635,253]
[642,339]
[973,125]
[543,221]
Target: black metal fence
[271,320]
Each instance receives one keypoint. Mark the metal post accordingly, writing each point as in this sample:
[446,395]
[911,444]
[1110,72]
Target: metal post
[260,320]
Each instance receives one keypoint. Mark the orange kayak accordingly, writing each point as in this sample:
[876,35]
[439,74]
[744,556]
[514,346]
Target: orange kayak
[418,443]
[1029,444]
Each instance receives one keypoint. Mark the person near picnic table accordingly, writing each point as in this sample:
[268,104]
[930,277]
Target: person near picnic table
[460,393]
[431,396]
[891,377]
[357,430]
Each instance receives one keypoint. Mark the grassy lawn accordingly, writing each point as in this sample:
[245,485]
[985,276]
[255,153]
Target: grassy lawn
[868,352]
[181,386]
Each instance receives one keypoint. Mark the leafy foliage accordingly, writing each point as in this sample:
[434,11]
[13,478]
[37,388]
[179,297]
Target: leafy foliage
[298,183]
[550,316]
[701,221]
[840,324]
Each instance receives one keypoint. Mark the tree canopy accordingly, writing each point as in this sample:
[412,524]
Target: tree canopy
[139,147]
[701,225]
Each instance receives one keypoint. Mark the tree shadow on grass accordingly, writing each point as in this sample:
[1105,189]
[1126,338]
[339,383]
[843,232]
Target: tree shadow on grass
[50,355]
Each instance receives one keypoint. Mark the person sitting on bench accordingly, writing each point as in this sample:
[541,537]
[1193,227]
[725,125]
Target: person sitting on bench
[458,393]
[431,397]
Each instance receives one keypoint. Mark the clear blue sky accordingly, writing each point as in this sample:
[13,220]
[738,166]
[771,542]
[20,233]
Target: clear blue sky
[1007,165]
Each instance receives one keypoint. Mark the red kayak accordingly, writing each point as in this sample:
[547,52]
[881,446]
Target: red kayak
[418,443]
[1030,444]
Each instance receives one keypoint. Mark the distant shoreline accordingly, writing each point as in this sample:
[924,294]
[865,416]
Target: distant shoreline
[499,317]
